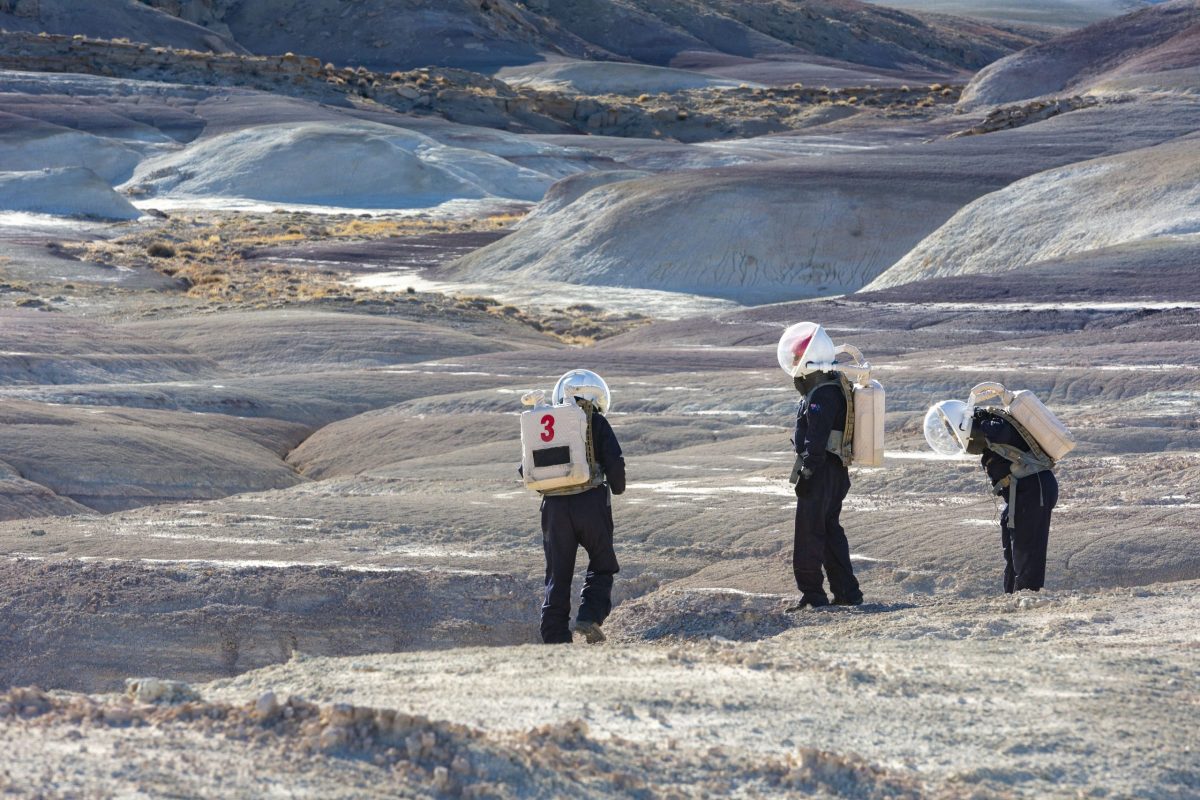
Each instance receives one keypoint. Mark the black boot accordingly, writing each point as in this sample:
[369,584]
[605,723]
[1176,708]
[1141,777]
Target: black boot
[813,601]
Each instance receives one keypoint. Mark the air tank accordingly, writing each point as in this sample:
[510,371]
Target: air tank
[867,446]
[1051,435]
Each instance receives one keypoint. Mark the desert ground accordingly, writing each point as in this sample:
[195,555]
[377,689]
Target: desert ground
[273,279]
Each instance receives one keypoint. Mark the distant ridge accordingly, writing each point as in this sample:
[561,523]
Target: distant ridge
[487,34]
[1049,13]
[1158,47]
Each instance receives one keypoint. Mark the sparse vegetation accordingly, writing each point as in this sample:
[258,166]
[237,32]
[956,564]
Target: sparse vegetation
[210,261]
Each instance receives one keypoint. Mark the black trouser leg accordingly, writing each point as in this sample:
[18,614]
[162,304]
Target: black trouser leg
[558,541]
[1036,497]
[836,558]
[808,545]
[1010,575]
[592,513]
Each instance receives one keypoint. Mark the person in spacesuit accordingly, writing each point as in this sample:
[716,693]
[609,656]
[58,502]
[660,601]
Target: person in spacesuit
[581,516]
[1019,471]
[821,477]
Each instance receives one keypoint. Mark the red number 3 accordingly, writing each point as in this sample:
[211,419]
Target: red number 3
[548,422]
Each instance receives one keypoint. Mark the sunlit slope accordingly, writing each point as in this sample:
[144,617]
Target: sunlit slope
[1156,48]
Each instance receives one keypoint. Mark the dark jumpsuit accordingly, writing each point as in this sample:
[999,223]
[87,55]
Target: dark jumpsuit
[582,520]
[820,539]
[1025,544]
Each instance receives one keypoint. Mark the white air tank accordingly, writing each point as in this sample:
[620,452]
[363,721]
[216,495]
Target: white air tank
[1051,435]
[867,448]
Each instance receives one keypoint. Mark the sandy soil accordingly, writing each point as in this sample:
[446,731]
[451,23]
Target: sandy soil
[1053,695]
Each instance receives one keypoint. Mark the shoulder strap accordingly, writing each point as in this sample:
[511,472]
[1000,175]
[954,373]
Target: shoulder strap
[589,438]
[842,385]
[848,433]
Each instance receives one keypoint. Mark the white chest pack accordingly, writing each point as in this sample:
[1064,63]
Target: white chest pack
[1024,406]
[554,447]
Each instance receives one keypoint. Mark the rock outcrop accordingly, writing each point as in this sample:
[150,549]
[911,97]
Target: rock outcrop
[1007,117]
[114,458]
[28,143]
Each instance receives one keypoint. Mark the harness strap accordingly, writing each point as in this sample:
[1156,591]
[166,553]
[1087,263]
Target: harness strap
[593,467]
[1022,464]
[1029,438]
[845,444]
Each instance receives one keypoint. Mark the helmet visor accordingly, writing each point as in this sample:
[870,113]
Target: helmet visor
[586,384]
[943,427]
[802,347]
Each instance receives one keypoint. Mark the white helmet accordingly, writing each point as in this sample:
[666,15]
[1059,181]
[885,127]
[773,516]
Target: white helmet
[947,427]
[805,347]
[583,383]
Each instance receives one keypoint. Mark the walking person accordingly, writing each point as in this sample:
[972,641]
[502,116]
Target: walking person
[573,459]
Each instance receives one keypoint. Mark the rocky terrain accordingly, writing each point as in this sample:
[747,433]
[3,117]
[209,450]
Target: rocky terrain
[269,300]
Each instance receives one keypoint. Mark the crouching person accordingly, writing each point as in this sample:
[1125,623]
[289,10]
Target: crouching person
[571,457]
[1019,443]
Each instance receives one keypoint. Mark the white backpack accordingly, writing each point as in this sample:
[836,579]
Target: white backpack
[1048,432]
[555,451]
